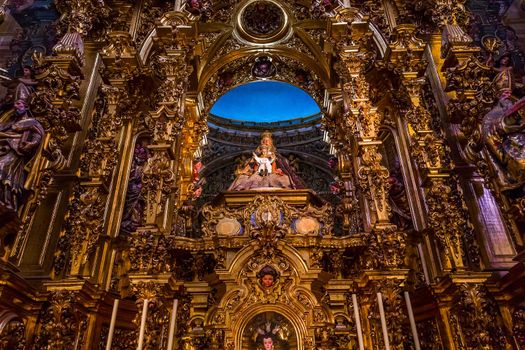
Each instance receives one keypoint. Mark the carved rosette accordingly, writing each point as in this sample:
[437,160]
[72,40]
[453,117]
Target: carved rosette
[262,22]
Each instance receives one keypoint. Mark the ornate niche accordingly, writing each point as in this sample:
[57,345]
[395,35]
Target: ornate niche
[266,295]
[269,330]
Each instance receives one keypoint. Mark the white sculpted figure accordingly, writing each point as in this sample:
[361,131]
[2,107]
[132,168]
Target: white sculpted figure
[265,161]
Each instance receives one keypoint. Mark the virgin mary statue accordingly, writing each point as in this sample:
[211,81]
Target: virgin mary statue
[266,169]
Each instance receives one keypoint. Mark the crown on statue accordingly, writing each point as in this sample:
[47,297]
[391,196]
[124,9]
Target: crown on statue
[266,134]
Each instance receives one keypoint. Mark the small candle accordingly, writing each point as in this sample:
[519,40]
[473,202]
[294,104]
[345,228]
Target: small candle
[412,321]
[173,323]
[112,324]
[383,320]
[143,324]
[358,322]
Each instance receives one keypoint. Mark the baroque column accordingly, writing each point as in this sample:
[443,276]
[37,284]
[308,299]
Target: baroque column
[383,265]
[446,222]
[362,120]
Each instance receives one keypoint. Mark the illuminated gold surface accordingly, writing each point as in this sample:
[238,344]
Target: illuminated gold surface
[156,76]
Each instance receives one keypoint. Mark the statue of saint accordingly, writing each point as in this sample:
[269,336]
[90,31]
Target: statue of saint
[132,216]
[503,133]
[506,80]
[266,169]
[20,138]
[22,86]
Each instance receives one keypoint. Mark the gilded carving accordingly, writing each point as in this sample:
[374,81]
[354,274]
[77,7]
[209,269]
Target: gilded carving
[20,138]
[478,319]
[84,15]
[13,335]
[393,303]
[429,335]
[386,248]
[122,338]
[114,181]
[519,325]
[61,322]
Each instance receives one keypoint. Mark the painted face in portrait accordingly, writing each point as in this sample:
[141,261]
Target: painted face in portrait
[268,343]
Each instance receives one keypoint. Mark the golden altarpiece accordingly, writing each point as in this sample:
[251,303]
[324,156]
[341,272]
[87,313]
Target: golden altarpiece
[111,240]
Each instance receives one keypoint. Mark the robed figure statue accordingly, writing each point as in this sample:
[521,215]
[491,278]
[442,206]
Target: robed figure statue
[20,138]
[266,169]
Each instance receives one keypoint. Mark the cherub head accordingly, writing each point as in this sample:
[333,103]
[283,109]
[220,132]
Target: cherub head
[267,280]
[27,72]
[267,276]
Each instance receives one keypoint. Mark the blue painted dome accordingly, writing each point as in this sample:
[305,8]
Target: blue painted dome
[265,101]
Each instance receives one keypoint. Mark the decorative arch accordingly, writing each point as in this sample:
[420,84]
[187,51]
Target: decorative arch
[292,256]
[208,69]
[290,297]
[301,331]
[291,69]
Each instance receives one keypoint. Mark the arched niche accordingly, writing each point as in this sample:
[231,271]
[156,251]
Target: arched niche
[269,330]
[297,330]
[248,294]
[296,132]
[232,72]
[302,55]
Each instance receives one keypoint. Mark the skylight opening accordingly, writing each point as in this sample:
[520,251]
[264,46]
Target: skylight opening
[265,101]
